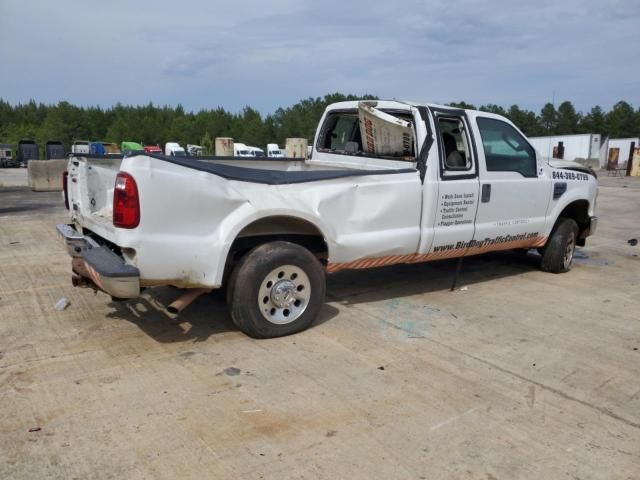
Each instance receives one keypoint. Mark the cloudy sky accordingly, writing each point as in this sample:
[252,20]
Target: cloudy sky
[207,53]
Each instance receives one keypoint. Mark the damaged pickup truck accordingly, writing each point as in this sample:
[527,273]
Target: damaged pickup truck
[387,182]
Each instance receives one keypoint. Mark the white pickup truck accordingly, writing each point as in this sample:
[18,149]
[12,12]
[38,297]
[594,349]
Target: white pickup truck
[464,183]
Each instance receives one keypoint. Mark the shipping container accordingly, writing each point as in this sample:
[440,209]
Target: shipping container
[54,149]
[27,150]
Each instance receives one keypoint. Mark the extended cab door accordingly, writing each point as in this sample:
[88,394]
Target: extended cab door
[452,209]
[514,189]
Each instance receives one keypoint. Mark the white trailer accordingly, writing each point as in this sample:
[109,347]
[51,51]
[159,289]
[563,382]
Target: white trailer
[619,150]
[569,147]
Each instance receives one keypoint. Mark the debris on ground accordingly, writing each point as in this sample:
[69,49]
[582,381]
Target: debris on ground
[232,371]
[61,304]
[34,429]
[633,242]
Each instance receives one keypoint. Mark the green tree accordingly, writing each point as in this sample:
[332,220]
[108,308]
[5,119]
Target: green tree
[549,119]
[462,104]
[567,119]
[594,122]
[621,121]
[525,120]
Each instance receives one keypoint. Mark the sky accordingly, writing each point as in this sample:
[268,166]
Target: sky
[268,54]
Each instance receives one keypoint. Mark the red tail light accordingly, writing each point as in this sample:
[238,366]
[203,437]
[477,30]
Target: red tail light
[126,205]
[65,178]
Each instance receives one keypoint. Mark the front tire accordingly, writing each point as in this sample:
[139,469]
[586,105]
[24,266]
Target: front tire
[278,289]
[557,256]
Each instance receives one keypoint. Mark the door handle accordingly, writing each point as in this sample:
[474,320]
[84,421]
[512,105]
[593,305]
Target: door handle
[486,193]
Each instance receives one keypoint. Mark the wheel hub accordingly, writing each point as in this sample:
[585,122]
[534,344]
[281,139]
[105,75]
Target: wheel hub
[283,293]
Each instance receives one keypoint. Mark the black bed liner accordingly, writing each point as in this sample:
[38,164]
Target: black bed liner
[269,177]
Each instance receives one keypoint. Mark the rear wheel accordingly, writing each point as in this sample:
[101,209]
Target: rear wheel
[278,289]
[557,255]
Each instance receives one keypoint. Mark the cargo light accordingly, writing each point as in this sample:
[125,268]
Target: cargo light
[126,205]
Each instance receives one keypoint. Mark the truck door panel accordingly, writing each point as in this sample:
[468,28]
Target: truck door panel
[514,189]
[455,204]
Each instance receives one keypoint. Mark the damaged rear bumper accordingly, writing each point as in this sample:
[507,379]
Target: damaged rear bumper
[99,265]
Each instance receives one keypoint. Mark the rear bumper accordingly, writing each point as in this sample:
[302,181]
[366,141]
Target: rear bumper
[99,265]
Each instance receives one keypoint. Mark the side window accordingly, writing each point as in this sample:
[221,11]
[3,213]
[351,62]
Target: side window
[454,144]
[505,150]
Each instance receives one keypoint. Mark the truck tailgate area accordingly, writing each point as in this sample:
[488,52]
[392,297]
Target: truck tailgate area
[90,191]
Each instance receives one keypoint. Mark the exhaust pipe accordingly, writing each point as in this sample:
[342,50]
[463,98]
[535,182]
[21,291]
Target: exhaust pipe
[186,299]
[82,282]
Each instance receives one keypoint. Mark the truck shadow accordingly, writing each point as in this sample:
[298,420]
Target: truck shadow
[360,286]
[208,315]
[205,317]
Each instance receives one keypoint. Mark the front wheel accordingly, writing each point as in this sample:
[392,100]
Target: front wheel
[278,289]
[557,255]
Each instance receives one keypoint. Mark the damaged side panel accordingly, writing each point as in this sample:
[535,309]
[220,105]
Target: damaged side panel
[366,216]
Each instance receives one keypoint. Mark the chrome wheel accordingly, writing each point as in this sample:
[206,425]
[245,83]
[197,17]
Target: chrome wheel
[284,294]
[569,250]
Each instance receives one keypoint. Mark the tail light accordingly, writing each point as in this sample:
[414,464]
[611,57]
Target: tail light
[126,205]
[65,179]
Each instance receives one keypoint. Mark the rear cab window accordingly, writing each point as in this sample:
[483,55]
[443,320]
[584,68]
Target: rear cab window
[341,134]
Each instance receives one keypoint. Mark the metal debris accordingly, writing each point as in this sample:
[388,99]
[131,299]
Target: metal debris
[61,304]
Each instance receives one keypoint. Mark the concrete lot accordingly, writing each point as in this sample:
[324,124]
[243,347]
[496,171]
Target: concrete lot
[521,374]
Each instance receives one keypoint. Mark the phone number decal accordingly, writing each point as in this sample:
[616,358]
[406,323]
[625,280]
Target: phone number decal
[563,175]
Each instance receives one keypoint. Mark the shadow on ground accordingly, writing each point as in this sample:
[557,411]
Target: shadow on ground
[206,317]
[362,286]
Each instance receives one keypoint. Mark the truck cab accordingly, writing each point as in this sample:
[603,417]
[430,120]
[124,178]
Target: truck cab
[274,151]
[173,149]
[241,150]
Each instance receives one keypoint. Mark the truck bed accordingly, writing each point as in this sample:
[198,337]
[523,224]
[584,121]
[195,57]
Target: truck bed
[272,172]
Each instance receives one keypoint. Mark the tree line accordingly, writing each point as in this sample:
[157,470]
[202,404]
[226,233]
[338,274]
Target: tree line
[152,124]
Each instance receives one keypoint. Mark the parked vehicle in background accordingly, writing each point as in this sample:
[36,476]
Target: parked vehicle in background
[54,149]
[273,151]
[153,149]
[255,152]
[80,146]
[173,149]
[27,150]
[96,148]
[241,150]
[6,156]
[388,183]
[195,150]
[111,148]
[127,147]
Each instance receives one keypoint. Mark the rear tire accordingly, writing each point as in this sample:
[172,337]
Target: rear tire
[277,289]
[557,256]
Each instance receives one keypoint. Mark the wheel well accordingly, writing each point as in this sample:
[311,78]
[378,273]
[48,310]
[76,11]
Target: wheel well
[270,229]
[579,211]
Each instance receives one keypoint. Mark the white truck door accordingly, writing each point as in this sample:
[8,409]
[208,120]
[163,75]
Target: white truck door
[451,199]
[514,189]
